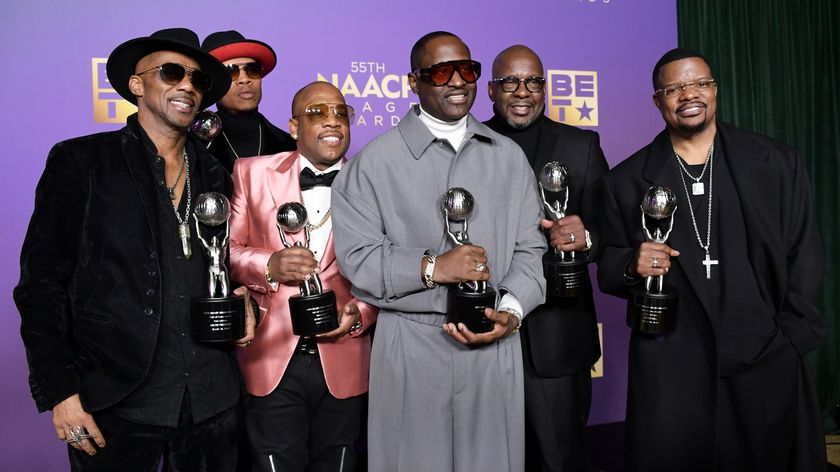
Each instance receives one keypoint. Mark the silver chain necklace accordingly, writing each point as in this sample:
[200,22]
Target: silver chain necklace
[708,261]
[259,142]
[697,187]
[184,223]
[178,178]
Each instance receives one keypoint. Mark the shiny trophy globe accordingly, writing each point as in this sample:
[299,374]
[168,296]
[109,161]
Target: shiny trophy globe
[465,302]
[565,272]
[220,316]
[315,310]
[206,125]
[654,307]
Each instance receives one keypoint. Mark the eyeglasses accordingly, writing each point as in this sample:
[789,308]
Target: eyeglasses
[676,89]
[320,111]
[511,84]
[440,74]
[172,74]
[252,69]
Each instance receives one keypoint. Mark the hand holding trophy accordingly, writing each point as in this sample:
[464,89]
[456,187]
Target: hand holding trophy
[565,272]
[216,318]
[466,301]
[314,311]
[654,307]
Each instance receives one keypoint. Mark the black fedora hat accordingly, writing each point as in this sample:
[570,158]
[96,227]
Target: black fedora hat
[227,45]
[124,58]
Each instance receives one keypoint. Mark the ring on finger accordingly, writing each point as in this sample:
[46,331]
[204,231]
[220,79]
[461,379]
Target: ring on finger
[655,263]
[480,267]
[572,238]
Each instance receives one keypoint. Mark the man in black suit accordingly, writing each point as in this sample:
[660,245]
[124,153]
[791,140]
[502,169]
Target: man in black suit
[245,131]
[108,268]
[728,389]
[560,338]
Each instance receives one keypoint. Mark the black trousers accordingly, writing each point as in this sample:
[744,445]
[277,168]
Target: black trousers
[300,426]
[556,410]
[190,447]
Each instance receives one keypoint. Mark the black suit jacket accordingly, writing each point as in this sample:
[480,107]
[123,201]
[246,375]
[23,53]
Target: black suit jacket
[561,335]
[89,294]
[673,379]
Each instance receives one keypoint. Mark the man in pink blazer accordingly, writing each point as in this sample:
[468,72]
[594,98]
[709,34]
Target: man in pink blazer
[304,407]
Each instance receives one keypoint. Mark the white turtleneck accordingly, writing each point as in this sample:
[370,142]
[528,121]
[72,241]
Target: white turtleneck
[453,131]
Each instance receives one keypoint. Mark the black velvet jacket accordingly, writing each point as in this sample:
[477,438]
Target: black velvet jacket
[89,294]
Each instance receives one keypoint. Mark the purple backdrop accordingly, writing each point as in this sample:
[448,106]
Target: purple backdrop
[599,54]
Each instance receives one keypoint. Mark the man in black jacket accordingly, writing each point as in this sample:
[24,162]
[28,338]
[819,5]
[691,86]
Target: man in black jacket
[107,277]
[728,389]
[245,131]
[560,338]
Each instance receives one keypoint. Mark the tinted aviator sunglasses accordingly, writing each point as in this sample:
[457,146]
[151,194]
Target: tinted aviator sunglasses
[252,69]
[172,74]
[440,74]
[320,111]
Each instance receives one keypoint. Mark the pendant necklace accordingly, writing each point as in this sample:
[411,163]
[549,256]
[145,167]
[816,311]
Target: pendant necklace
[259,143]
[184,223]
[697,187]
[708,261]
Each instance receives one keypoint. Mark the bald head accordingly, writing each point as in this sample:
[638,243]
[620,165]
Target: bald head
[522,68]
[303,96]
[517,52]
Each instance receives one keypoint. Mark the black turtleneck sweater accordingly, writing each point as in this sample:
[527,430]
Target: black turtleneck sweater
[243,138]
[527,138]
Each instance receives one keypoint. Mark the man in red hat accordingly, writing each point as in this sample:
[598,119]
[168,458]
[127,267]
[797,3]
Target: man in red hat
[245,131]
[107,277]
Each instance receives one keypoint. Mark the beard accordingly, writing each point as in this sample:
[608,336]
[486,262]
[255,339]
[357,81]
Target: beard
[528,122]
[693,129]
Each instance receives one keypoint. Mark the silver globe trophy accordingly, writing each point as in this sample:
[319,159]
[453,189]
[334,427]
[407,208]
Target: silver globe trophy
[220,316]
[654,307]
[206,125]
[465,302]
[314,311]
[565,272]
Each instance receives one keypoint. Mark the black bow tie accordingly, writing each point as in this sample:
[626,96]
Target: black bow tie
[308,179]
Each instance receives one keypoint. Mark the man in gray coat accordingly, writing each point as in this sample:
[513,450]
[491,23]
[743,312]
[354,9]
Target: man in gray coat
[442,398]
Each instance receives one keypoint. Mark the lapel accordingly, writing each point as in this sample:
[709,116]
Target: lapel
[660,169]
[548,147]
[134,153]
[754,182]
[283,184]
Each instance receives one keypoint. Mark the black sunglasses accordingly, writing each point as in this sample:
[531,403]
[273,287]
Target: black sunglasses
[252,69]
[440,74]
[172,74]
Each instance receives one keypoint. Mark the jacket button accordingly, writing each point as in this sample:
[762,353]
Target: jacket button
[150,292]
[148,311]
[152,273]
[153,255]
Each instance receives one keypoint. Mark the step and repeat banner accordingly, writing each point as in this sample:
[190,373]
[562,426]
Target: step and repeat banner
[598,56]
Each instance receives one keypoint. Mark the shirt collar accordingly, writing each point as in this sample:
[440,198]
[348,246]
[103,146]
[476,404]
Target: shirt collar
[418,137]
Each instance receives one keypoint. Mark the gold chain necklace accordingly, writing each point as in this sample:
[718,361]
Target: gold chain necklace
[322,222]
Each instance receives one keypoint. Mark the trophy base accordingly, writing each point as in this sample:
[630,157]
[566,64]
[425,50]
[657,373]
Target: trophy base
[215,320]
[564,278]
[313,314]
[652,313]
[468,308]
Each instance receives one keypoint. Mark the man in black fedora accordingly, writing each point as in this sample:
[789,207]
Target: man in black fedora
[245,131]
[107,277]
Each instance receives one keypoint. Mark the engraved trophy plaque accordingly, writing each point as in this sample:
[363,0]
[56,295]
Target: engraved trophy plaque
[220,316]
[565,272]
[654,306]
[314,311]
[465,302]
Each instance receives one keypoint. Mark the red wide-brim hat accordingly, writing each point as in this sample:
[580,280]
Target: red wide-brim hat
[227,45]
